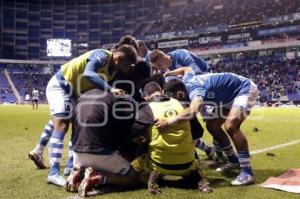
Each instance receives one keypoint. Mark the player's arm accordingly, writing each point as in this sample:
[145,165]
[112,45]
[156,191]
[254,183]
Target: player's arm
[187,114]
[179,71]
[95,62]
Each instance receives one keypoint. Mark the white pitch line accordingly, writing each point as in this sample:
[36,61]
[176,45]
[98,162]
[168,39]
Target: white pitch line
[275,147]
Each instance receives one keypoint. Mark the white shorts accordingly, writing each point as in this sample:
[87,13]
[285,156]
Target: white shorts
[60,102]
[113,163]
[246,101]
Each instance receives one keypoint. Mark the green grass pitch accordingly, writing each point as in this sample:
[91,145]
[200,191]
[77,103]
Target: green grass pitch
[20,128]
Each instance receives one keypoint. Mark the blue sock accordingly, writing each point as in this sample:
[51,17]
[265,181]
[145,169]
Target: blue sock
[244,159]
[54,169]
[55,151]
[45,137]
[230,153]
[201,145]
[70,158]
[219,151]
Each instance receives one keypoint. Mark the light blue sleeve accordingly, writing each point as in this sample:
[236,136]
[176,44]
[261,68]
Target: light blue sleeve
[193,86]
[97,60]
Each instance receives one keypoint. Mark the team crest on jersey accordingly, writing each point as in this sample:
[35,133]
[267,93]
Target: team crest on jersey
[170,113]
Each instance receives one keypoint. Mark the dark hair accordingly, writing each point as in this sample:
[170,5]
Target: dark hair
[129,40]
[129,52]
[176,89]
[141,70]
[151,88]
[158,78]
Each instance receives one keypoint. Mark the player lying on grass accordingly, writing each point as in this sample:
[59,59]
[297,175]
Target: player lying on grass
[234,94]
[94,69]
[177,59]
[99,132]
[170,152]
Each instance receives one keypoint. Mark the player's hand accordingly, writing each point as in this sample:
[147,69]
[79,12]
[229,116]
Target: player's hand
[118,92]
[161,124]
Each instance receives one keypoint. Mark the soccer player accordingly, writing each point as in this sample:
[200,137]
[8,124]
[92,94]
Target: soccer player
[177,59]
[128,40]
[101,127]
[135,79]
[232,94]
[143,51]
[94,69]
[170,152]
[176,89]
[35,99]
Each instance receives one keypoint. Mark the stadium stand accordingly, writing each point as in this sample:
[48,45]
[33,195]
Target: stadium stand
[6,94]
[276,77]
[204,13]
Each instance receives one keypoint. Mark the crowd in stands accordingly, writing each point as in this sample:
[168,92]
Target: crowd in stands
[25,79]
[6,94]
[276,77]
[213,12]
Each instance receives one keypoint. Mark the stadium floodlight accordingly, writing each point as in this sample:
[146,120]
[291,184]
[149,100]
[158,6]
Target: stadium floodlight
[59,47]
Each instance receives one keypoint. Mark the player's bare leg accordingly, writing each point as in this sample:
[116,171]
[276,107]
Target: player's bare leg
[214,126]
[232,125]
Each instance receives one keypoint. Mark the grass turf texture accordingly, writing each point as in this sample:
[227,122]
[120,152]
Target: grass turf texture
[20,128]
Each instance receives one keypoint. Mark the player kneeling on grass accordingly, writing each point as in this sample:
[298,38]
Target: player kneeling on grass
[101,126]
[94,69]
[170,152]
[229,91]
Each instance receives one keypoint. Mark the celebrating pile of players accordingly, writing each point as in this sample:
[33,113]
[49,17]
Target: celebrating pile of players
[134,120]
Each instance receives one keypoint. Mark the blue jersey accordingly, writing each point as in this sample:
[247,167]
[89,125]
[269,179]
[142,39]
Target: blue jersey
[147,57]
[219,88]
[185,58]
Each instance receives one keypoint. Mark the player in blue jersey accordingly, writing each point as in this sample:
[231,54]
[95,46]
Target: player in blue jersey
[143,51]
[94,69]
[232,94]
[177,59]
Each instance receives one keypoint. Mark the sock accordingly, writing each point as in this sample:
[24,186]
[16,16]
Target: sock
[229,152]
[202,146]
[219,151]
[44,139]
[70,158]
[103,180]
[55,151]
[244,160]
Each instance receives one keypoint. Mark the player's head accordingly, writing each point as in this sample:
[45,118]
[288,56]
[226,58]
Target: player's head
[124,58]
[141,72]
[176,89]
[160,60]
[129,40]
[142,48]
[158,78]
[151,90]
